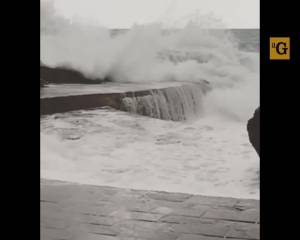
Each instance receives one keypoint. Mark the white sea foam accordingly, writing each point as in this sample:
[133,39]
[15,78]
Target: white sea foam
[107,147]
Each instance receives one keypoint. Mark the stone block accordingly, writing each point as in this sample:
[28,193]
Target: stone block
[244,231]
[218,229]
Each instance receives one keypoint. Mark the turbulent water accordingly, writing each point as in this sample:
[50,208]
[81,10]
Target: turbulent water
[205,151]
[107,147]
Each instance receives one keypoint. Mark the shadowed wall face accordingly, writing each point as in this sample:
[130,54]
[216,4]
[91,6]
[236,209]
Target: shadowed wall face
[72,103]
[253,128]
[62,75]
[173,103]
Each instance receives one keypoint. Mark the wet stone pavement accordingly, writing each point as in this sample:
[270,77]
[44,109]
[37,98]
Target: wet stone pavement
[87,212]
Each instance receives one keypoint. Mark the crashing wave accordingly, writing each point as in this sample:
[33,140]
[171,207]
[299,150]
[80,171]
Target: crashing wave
[174,103]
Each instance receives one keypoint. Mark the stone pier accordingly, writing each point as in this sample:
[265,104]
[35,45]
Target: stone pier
[86,212]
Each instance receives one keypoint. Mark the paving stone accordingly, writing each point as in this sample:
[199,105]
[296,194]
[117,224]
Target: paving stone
[98,211]
[48,233]
[103,190]
[168,204]
[142,207]
[129,194]
[198,237]
[174,197]
[184,219]
[161,210]
[53,223]
[144,233]
[134,204]
[94,197]
[146,230]
[97,220]
[199,212]
[150,217]
[244,231]
[131,225]
[251,214]
[218,229]
[50,210]
[92,236]
[99,229]
[246,216]
[198,201]
[247,204]
[181,211]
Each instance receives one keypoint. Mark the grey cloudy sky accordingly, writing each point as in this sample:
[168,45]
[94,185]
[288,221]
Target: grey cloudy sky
[124,13]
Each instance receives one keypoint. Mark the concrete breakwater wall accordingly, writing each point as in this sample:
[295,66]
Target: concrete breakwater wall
[60,75]
[164,102]
[171,103]
[79,102]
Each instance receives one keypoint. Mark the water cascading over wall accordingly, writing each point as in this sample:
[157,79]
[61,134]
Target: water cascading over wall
[174,103]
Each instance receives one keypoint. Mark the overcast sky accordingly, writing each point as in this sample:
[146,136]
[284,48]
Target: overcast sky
[124,13]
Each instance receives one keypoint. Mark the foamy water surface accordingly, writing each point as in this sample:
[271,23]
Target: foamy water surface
[209,156]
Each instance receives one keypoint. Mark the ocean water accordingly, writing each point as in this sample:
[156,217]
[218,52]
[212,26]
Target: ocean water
[248,39]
